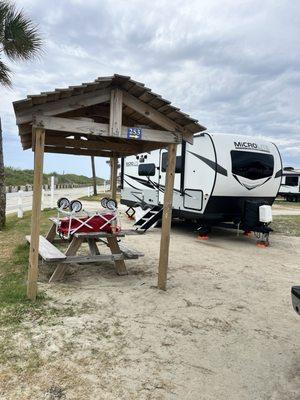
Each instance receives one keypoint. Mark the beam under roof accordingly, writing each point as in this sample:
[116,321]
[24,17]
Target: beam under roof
[95,129]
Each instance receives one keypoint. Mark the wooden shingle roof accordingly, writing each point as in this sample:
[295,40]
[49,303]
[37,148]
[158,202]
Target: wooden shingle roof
[81,102]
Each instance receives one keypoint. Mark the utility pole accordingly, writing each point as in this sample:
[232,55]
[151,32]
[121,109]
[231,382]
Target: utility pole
[94,175]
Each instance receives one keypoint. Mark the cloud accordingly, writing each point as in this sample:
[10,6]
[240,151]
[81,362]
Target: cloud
[232,64]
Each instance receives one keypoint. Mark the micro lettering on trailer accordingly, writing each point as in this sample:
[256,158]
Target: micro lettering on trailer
[251,146]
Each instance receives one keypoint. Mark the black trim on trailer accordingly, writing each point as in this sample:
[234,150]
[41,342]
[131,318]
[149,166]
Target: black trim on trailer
[141,181]
[215,152]
[281,167]
[289,175]
[183,152]
[132,185]
[213,165]
[150,184]
[250,188]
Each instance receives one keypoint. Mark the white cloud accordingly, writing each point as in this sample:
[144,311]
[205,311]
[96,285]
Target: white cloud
[233,64]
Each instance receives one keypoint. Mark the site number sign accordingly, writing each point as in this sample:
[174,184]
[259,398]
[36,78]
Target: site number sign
[134,133]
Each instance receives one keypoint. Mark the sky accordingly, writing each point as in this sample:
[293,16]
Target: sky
[232,64]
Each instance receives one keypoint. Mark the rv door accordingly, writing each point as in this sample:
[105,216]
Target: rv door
[163,163]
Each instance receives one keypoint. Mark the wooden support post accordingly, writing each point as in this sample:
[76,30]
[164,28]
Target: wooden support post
[115,118]
[167,218]
[115,129]
[36,213]
[94,175]
[114,175]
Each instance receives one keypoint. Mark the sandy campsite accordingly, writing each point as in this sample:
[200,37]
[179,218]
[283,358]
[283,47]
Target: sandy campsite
[223,324]
[149,200]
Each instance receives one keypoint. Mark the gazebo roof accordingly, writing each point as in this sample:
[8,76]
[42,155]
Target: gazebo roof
[88,107]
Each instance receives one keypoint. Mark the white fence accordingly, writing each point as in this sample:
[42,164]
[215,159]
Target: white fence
[29,188]
[20,201]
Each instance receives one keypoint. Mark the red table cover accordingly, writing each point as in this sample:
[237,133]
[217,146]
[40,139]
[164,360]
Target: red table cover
[96,223]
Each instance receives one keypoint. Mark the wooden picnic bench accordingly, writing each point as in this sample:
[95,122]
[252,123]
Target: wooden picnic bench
[50,253]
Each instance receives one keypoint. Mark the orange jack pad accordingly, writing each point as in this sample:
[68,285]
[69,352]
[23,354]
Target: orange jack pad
[262,245]
[202,237]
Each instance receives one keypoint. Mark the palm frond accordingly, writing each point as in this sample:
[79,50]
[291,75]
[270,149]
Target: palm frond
[4,7]
[20,38]
[5,79]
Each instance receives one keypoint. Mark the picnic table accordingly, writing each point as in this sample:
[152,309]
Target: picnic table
[50,253]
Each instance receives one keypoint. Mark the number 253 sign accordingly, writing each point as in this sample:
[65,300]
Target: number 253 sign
[134,133]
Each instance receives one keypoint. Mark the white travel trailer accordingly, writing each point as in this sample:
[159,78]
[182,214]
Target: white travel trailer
[290,184]
[220,178]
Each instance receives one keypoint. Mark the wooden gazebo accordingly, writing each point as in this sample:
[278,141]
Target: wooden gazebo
[96,119]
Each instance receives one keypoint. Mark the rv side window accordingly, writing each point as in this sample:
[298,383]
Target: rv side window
[164,163]
[146,169]
[252,165]
[291,180]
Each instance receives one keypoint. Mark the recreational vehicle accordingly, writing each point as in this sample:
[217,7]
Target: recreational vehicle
[290,184]
[220,178]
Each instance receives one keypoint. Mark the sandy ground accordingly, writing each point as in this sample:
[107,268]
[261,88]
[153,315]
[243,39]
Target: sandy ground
[224,329]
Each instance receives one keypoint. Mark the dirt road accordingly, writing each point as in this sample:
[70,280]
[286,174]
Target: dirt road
[286,208]
[224,329]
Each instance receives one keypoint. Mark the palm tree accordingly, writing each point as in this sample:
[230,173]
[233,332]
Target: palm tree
[19,40]
[2,186]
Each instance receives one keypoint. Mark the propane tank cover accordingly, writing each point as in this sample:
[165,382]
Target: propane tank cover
[265,214]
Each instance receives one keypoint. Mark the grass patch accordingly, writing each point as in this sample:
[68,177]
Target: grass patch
[14,305]
[98,197]
[287,225]
[285,203]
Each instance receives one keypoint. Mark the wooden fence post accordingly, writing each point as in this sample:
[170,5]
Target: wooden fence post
[36,213]
[20,204]
[52,191]
[167,218]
